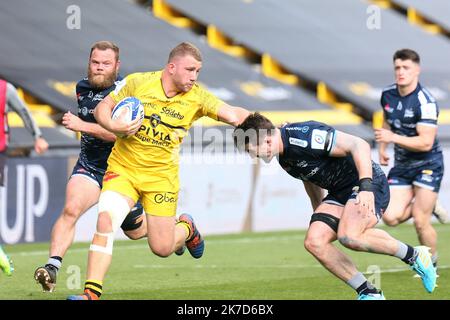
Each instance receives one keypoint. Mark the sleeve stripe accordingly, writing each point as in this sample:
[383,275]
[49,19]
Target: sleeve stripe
[427,124]
[428,94]
[329,141]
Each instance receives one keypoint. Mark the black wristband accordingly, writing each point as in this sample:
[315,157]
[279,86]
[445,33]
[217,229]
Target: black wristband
[365,184]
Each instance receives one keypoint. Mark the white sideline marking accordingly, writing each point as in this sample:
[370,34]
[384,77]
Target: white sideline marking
[145,246]
[281,266]
[214,266]
[405,268]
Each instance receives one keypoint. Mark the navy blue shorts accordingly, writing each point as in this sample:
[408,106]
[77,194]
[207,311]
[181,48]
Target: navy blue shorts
[95,176]
[381,193]
[427,175]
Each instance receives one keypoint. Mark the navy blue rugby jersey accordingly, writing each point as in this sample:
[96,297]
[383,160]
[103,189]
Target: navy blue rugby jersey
[94,152]
[403,114]
[306,156]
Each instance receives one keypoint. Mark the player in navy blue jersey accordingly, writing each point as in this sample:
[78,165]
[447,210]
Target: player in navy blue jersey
[410,123]
[84,185]
[358,194]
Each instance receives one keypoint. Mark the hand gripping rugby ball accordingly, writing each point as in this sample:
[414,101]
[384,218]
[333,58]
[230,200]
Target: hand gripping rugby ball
[134,109]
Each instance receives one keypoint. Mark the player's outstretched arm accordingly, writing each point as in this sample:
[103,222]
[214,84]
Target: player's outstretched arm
[232,115]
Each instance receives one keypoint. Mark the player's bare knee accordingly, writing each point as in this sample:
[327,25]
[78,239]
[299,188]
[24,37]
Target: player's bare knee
[71,212]
[131,235]
[421,224]
[314,245]
[104,223]
[134,234]
[162,250]
[390,221]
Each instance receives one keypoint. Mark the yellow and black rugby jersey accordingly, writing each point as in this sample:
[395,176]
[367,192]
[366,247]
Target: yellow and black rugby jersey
[154,149]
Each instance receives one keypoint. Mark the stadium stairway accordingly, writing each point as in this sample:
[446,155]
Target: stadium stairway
[352,74]
[21,141]
[432,15]
[48,63]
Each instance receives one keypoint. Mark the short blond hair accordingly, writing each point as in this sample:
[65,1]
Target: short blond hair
[105,45]
[184,49]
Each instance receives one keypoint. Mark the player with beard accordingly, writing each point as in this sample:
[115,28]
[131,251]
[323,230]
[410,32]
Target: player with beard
[145,164]
[85,183]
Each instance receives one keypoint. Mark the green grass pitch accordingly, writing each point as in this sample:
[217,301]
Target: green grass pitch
[271,265]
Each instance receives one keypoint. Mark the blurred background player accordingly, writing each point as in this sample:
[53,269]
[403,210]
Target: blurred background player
[6,264]
[146,163]
[410,122]
[10,100]
[84,185]
[358,194]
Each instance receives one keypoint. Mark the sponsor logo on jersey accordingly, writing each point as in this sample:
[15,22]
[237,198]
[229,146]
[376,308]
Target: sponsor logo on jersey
[155,120]
[429,111]
[298,142]
[409,125]
[388,108]
[318,139]
[312,172]
[153,136]
[85,111]
[303,129]
[172,113]
[165,197]
[302,164]
[98,97]
[409,113]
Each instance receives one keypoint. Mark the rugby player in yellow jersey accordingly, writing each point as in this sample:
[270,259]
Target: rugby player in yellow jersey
[145,164]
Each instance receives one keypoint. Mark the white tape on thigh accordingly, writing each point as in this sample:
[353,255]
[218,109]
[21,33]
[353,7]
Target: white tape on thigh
[108,249]
[115,205]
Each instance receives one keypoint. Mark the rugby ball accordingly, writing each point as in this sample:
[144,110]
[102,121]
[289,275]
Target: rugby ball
[134,109]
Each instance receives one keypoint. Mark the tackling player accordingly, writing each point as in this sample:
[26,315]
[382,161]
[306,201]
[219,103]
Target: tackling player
[358,194]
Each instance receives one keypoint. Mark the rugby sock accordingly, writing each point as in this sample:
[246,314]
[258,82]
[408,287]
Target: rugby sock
[55,262]
[187,226]
[406,253]
[367,288]
[361,284]
[434,259]
[94,286]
